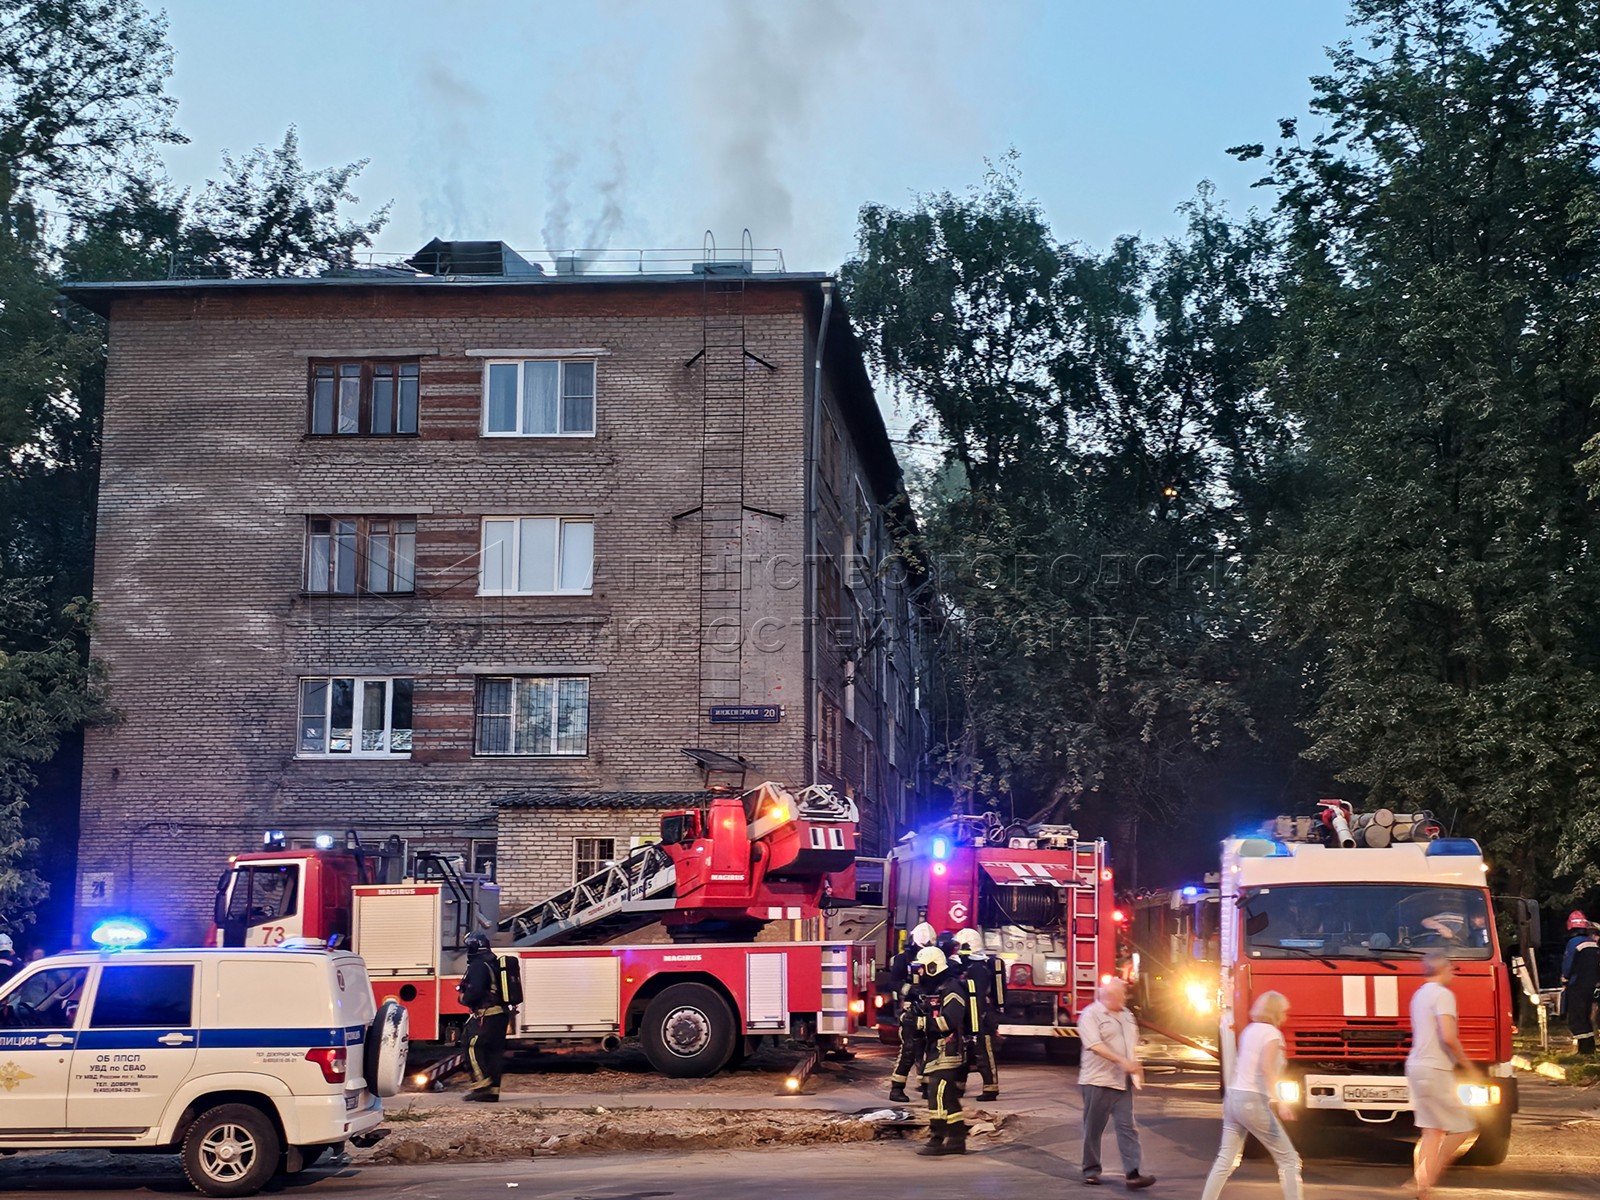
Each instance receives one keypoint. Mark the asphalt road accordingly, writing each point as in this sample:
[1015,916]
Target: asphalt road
[1556,1153]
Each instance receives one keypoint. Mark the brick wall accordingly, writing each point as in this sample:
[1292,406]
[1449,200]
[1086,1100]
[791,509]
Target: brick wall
[536,845]
[208,478]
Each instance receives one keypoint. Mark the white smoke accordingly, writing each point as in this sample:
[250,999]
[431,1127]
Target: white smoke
[757,87]
[455,109]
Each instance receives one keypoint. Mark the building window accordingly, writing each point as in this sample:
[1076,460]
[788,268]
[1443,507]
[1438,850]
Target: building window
[541,397]
[533,716]
[891,733]
[364,397]
[355,716]
[345,555]
[536,556]
[589,855]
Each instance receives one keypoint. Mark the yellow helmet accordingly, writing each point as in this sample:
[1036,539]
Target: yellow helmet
[932,960]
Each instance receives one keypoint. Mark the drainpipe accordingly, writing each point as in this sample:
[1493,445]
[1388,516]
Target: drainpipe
[813,465]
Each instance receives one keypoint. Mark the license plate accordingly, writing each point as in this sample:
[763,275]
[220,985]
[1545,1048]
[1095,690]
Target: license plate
[1389,1094]
[353,1100]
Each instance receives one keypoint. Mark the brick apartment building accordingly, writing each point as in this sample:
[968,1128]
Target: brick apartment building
[486,557]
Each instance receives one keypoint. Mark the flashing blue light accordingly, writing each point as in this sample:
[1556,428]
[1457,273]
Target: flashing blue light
[324,841]
[1461,846]
[1189,893]
[941,848]
[118,933]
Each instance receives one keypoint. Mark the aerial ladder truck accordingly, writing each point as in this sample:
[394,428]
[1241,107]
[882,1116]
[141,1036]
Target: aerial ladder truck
[718,877]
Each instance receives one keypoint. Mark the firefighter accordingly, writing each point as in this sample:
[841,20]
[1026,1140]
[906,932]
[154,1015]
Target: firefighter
[905,984]
[985,980]
[479,990]
[1580,974]
[943,1018]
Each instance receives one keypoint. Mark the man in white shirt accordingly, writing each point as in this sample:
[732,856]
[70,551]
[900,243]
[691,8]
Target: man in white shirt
[1107,1076]
[1436,1051]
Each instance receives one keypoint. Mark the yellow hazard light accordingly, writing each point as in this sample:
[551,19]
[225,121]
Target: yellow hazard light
[420,1079]
[1199,996]
[792,1084]
[858,1006]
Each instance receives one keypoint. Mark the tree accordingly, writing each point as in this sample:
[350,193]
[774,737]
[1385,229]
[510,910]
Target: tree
[1108,454]
[269,216]
[1441,360]
[83,87]
[45,692]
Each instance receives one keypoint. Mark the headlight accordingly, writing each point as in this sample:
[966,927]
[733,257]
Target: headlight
[1200,997]
[1479,1095]
[1289,1091]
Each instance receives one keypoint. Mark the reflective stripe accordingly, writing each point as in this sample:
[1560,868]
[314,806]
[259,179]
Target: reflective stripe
[220,1039]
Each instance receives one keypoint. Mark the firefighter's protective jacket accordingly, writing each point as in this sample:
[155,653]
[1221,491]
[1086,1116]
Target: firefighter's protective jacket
[946,1021]
[986,987]
[480,986]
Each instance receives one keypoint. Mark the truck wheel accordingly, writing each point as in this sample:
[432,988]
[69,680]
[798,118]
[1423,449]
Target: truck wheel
[232,1150]
[1493,1144]
[688,1031]
[388,1041]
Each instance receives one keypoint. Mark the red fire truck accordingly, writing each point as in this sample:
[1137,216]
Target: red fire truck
[1041,897]
[1171,960]
[1336,913]
[718,876]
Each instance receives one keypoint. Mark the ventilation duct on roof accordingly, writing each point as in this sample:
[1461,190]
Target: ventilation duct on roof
[481,259]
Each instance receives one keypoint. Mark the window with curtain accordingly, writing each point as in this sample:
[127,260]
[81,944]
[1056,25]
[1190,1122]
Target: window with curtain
[538,397]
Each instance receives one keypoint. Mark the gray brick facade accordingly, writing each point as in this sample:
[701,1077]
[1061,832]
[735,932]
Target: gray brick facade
[695,481]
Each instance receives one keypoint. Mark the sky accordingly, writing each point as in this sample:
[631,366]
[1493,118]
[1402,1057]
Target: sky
[645,123]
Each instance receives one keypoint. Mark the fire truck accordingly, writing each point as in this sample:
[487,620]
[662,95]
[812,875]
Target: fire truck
[1336,912]
[698,1001]
[1172,950]
[1040,896]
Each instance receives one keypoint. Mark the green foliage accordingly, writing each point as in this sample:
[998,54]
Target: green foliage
[82,105]
[1441,362]
[1109,456]
[47,688]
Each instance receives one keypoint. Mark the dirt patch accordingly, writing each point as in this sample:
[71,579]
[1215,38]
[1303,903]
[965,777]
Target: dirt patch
[626,1072]
[504,1131]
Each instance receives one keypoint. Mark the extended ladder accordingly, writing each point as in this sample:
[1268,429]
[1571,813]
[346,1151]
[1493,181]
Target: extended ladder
[626,895]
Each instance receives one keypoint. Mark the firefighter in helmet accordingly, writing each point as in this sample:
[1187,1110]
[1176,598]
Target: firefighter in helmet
[985,980]
[1580,973]
[905,985]
[479,990]
[944,1022]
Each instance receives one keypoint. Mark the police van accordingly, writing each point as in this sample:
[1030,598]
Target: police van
[246,1062]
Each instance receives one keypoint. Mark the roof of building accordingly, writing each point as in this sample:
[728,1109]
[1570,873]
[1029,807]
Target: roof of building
[602,800]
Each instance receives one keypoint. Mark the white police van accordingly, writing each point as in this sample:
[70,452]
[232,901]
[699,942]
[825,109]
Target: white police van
[247,1062]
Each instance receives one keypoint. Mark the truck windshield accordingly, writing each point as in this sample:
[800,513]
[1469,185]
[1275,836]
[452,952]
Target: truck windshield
[1364,920]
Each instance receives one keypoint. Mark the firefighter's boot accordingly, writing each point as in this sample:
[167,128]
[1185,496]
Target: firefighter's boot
[1586,1045]
[988,1094]
[935,1143]
[897,1094]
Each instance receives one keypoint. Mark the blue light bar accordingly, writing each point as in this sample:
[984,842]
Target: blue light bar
[118,933]
[941,848]
[1457,846]
[1189,893]
[324,841]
